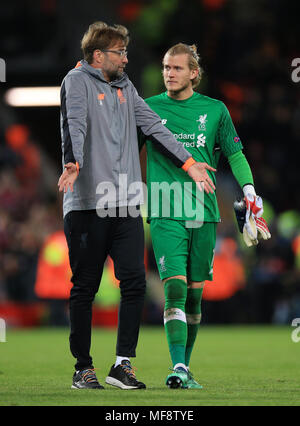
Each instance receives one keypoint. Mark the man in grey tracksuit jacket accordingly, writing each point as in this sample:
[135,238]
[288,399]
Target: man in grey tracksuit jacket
[100,114]
[99,126]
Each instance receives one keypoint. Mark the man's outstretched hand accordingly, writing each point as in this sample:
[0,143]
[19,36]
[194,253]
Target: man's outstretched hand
[198,172]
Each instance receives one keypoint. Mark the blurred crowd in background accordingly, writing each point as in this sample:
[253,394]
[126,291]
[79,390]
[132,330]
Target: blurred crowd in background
[247,48]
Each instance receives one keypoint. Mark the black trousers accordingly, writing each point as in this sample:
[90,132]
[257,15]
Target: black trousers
[90,240]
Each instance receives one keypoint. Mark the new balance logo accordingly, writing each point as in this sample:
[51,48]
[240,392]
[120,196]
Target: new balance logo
[121,96]
[101,97]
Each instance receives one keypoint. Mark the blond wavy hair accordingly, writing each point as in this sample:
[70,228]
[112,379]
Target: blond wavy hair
[193,59]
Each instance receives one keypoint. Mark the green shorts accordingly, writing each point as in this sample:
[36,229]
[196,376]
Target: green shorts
[180,250]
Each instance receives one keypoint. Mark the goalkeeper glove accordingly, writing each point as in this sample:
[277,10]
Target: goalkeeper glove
[262,228]
[248,213]
[246,226]
[254,209]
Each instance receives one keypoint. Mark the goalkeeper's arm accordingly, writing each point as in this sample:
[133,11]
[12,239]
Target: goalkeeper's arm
[241,171]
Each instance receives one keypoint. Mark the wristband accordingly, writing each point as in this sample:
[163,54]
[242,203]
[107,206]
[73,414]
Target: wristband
[189,162]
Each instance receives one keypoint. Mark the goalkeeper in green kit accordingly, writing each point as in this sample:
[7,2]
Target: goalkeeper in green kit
[183,216]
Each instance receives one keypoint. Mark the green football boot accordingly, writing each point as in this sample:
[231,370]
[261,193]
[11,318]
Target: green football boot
[178,379]
[191,383]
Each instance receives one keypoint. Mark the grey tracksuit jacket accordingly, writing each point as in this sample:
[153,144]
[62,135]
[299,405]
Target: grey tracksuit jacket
[99,122]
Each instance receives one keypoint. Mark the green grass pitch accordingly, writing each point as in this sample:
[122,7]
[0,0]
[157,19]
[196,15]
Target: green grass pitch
[236,366]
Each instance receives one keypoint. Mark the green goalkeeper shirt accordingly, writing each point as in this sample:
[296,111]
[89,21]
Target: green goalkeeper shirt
[205,128]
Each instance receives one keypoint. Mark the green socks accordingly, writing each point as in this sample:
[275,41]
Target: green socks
[182,316]
[175,319]
[193,317]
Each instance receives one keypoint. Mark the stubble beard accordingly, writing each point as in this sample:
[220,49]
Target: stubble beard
[112,71]
[114,74]
[176,92]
